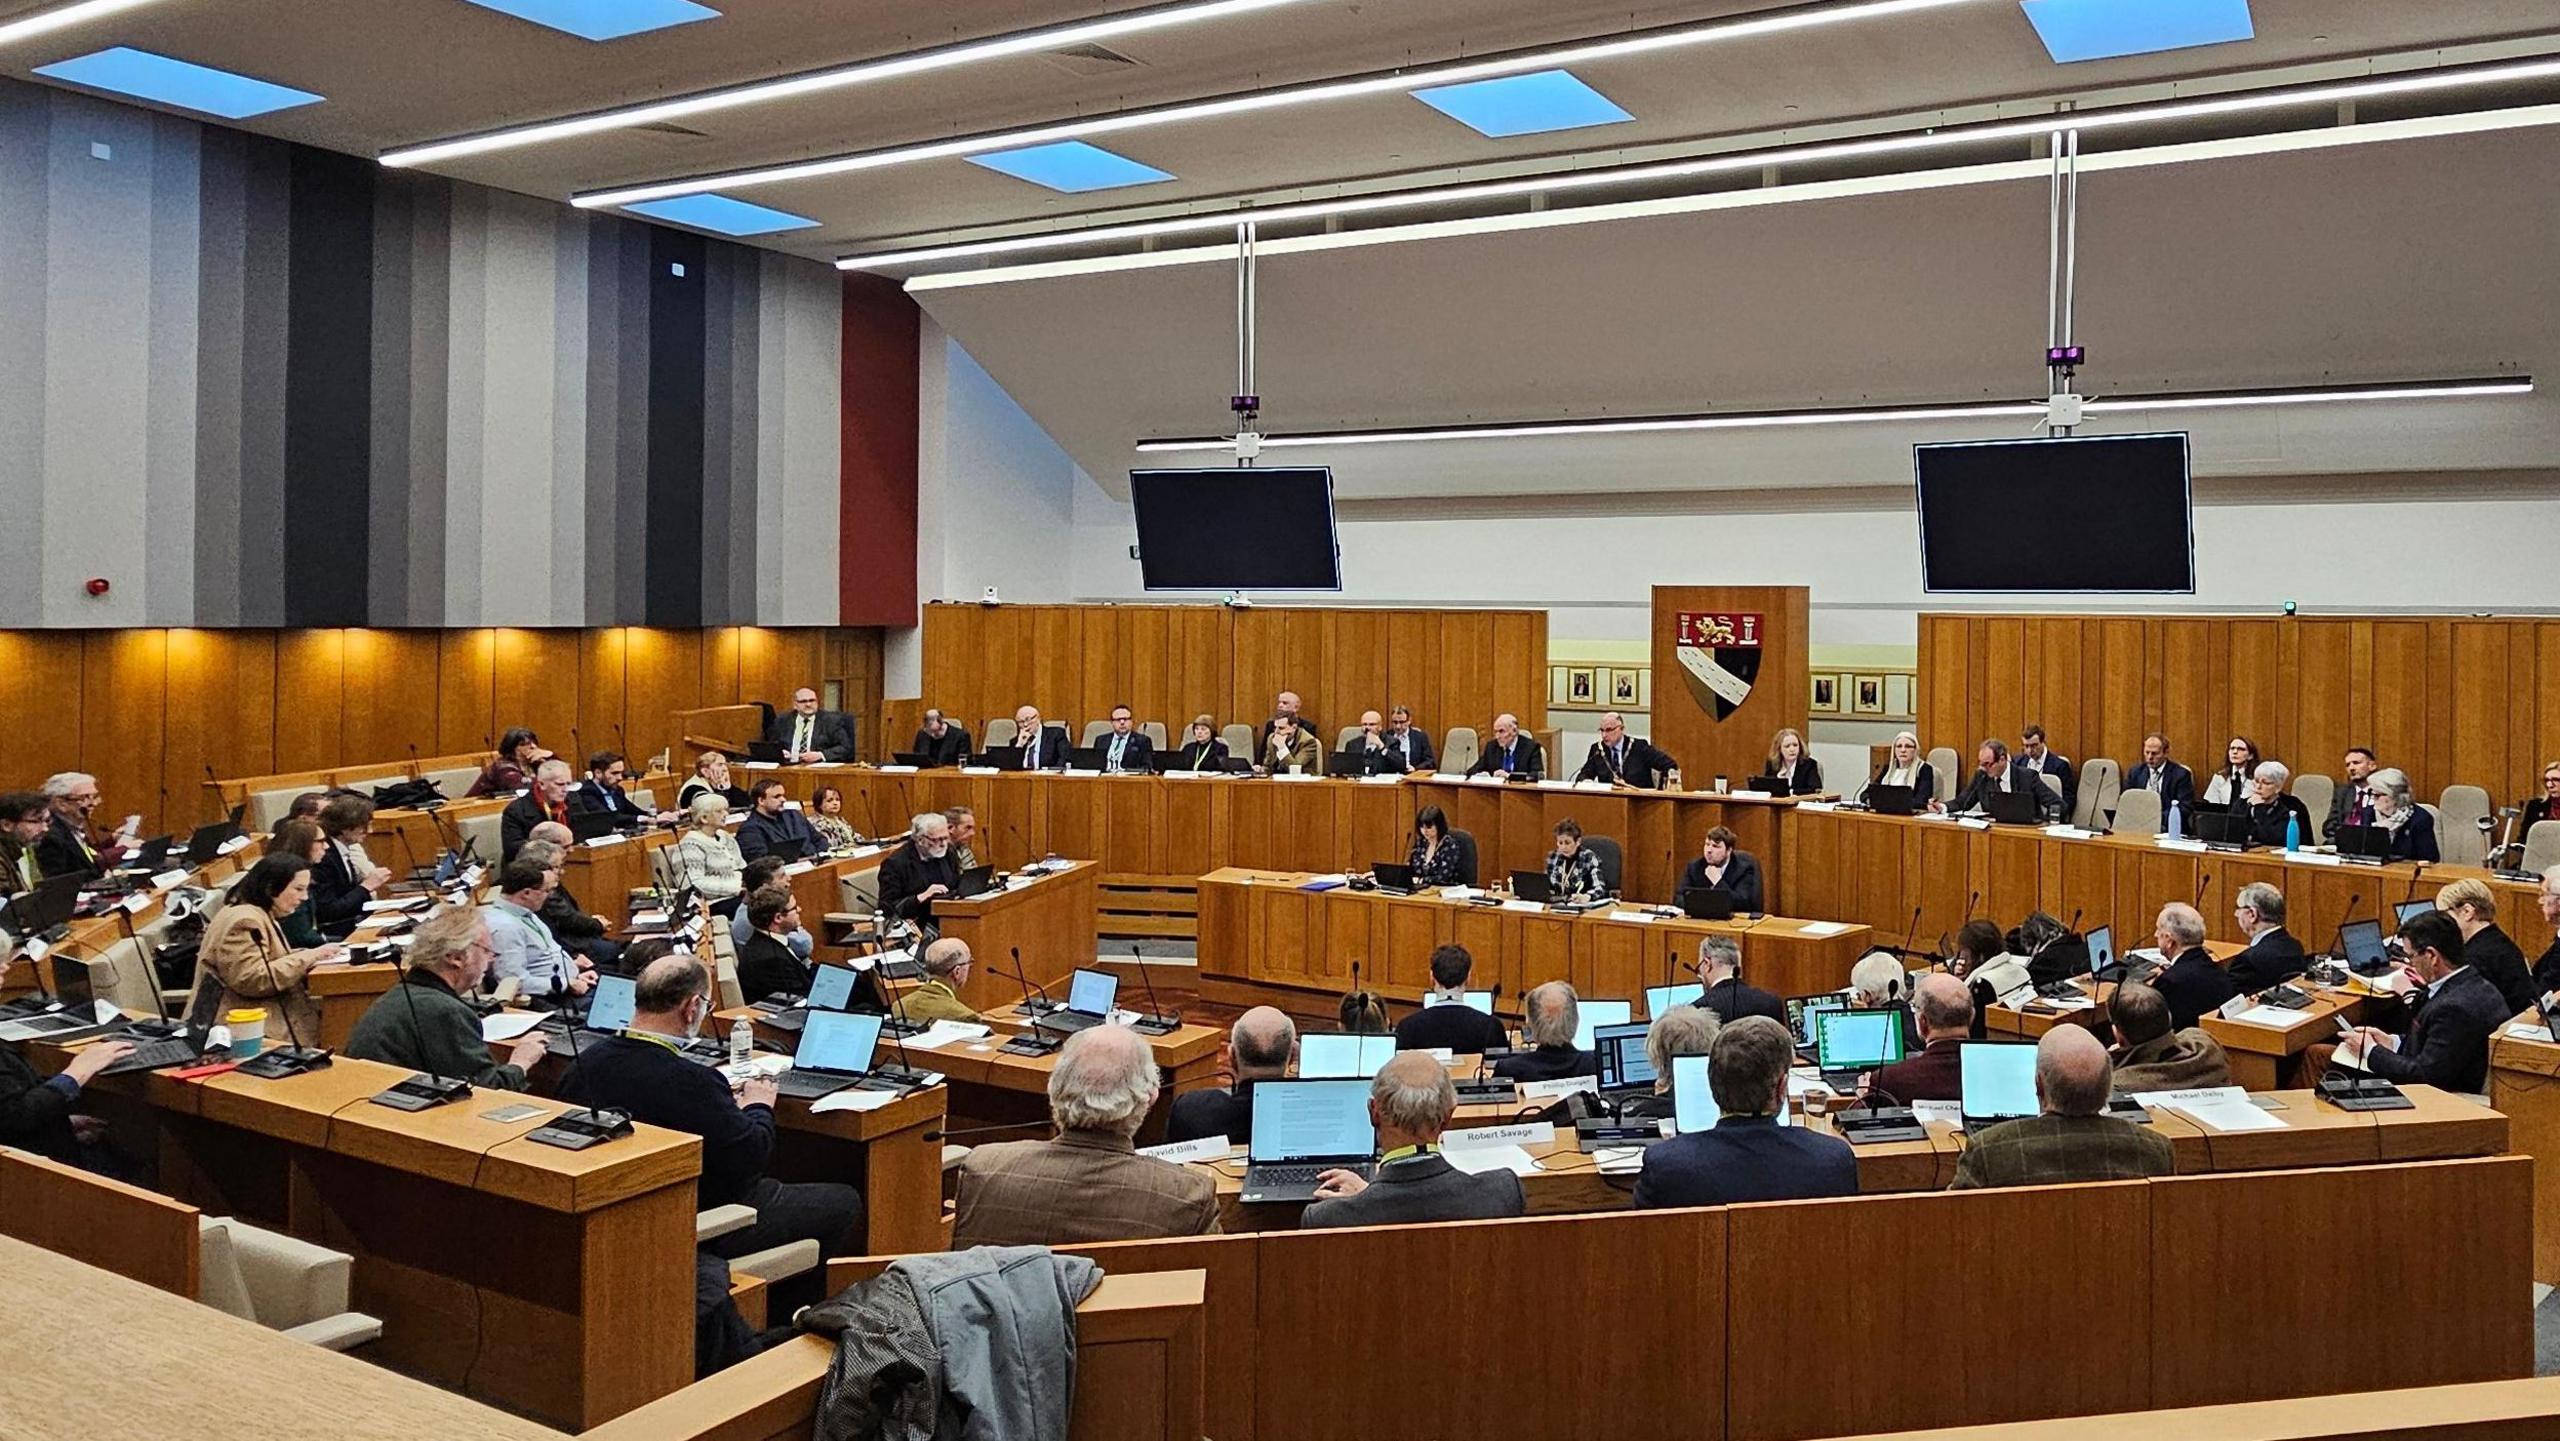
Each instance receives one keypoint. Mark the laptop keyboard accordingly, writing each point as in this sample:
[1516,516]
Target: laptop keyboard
[810,1085]
[1287,1175]
[153,1055]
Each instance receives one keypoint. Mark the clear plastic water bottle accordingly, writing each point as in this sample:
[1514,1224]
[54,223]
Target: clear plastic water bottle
[2177,826]
[742,1042]
[2292,834]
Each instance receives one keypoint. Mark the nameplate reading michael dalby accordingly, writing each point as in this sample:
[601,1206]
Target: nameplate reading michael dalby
[1719,656]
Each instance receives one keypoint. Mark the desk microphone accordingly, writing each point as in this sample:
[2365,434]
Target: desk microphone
[430,1087]
[2204,883]
[905,1072]
[295,1059]
[1911,932]
[151,967]
[1038,1042]
[1161,1022]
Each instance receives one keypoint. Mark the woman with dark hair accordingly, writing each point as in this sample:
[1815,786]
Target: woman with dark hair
[1363,1014]
[1434,857]
[826,817]
[244,950]
[301,838]
[511,770]
[2229,787]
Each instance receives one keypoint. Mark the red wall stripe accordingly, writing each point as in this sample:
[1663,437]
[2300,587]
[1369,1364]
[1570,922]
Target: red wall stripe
[876,551]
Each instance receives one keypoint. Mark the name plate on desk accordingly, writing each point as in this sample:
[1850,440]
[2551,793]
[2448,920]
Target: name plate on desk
[2311,858]
[2070,833]
[1973,823]
[1295,776]
[1079,775]
[233,844]
[899,770]
[133,904]
[1822,928]
[1817,805]
[981,771]
[1382,780]
[1556,785]
[166,879]
[1641,918]
[760,765]
[1532,907]
[865,852]
[1557,1089]
[2179,843]
[1933,1112]
[597,843]
[1206,1148]
[1487,779]
[1187,775]
[799,868]
[1526,1133]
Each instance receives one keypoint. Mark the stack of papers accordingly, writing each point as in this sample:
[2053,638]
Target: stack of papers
[2275,1016]
[851,1100]
[507,1025]
[2530,1033]
[1477,1160]
[943,1033]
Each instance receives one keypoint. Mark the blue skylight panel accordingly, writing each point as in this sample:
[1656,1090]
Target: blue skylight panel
[183,84]
[2075,30]
[1531,104]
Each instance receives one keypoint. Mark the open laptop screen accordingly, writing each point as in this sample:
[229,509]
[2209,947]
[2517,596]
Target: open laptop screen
[1596,1014]
[2404,912]
[837,1041]
[610,1007]
[1624,1066]
[1999,1080]
[1857,1040]
[1336,1057]
[831,989]
[1801,1011]
[2102,948]
[2362,941]
[1660,999]
[1311,1120]
[1092,992]
[1693,1102]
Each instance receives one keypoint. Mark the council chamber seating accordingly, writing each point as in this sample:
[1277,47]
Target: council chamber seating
[1943,764]
[1459,749]
[2138,814]
[2101,781]
[1240,739]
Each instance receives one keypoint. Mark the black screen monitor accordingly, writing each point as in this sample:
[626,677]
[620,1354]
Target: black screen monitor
[1232,528]
[2107,513]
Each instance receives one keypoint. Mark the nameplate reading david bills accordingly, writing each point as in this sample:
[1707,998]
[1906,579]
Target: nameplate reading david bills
[1719,655]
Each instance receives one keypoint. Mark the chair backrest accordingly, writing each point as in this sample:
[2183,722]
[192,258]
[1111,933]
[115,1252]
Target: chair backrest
[2316,792]
[859,891]
[1465,841]
[1613,860]
[1240,740]
[998,734]
[1459,749]
[123,973]
[662,866]
[2458,818]
[1095,730]
[2101,781]
[1343,738]
[2137,814]
[2051,781]
[452,783]
[1942,763]
[644,797]
[2542,846]
[276,1280]
[724,962]
[1154,731]
[266,808]
[485,833]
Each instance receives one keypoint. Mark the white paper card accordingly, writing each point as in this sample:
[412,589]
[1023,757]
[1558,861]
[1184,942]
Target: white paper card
[1817,805]
[865,852]
[597,843]
[2310,858]
[799,868]
[138,900]
[2225,1114]
[1520,905]
[2073,833]
[1487,779]
[1207,1148]
[1558,1088]
[166,879]
[851,1100]
[943,1033]
[1556,785]
[648,918]
[233,844]
[760,765]
[981,771]
[1641,918]
[1382,780]
[1930,1112]
[2154,1100]
[2178,843]
[507,1025]
[2276,1017]
[1822,928]
[1477,1160]
[1525,1133]
[2530,1033]
[1295,776]
[1973,823]
[899,770]
[2069,1003]
[397,903]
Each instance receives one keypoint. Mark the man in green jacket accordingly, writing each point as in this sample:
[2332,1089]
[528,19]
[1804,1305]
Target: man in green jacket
[424,1024]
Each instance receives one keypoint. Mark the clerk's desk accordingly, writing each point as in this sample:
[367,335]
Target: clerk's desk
[555,1283]
[1045,925]
[1260,926]
[2524,1082]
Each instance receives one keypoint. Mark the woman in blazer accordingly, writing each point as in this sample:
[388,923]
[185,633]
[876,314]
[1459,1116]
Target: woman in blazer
[707,856]
[2546,806]
[2413,831]
[1787,759]
[2229,787]
[1905,768]
[1204,752]
[245,953]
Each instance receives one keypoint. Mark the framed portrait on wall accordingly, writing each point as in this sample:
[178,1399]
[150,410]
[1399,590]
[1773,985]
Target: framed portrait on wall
[1625,688]
[1866,695]
[1582,684]
[1826,694]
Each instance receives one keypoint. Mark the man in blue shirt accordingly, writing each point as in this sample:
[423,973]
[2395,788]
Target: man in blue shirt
[525,951]
[1748,1156]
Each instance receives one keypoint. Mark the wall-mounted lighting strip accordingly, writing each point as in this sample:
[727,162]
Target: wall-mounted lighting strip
[62,17]
[1774,22]
[839,77]
[2472,389]
[1742,162]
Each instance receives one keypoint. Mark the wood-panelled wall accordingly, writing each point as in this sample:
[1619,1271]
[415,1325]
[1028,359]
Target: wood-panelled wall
[2449,700]
[149,712]
[1172,662]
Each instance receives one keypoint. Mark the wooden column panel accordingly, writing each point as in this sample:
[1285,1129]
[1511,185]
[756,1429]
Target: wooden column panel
[1710,734]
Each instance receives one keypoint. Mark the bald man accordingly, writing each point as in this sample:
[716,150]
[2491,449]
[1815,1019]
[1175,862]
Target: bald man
[1410,1103]
[1943,1007]
[946,970]
[1625,760]
[1371,750]
[2073,1139]
[810,736]
[1510,753]
[1262,1047]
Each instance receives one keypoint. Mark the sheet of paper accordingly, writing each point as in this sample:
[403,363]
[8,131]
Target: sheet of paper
[943,1033]
[1557,1089]
[851,1100]
[1618,1160]
[2311,858]
[648,918]
[1459,893]
[2275,1016]
[2225,1114]
[2178,843]
[899,770]
[1206,1148]
[1822,928]
[1929,1112]
[1477,1160]
[1516,904]
[1639,917]
[1973,823]
[507,1025]
[1487,779]
[1382,780]
[1808,1083]
[2530,1033]
[1817,805]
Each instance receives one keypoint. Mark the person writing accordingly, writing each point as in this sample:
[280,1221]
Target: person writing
[244,950]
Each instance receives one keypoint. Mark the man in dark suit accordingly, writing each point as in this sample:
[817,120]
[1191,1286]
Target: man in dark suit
[1039,745]
[2173,783]
[1445,1018]
[1287,704]
[767,965]
[1944,1007]
[2485,948]
[1261,1046]
[1748,1156]
[1621,759]
[915,874]
[602,793]
[2274,956]
[547,800]
[1995,770]
[64,849]
[940,742]
[1408,741]
[1721,867]
[2351,803]
[1370,748]
[1124,750]
[1510,753]
[1550,1018]
[2194,986]
[1410,1103]
[2073,1139]
[775,822]
[2033,750]
[2458,1011]
[1720,967]
[810,736]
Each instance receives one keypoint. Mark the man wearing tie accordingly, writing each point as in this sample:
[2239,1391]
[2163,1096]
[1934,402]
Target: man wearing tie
[1041,745]
[1372,748]
[1286,704]
[1511,754]
[1124,751]
[2173,783]
[1409,743]
[1622,759]
[2035,752]
[2353,804]
[810,736]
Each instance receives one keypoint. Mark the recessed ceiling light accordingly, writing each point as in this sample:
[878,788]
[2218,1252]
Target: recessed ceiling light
[2074,30]
[60,17]
[1530,104]
[1072,166]
[721,214]
[603,19]
[180,83]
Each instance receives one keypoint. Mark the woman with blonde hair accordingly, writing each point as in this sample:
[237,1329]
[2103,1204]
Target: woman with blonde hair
[1789,762]
[707,856]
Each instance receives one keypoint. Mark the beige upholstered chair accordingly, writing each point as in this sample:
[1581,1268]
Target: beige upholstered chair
[998,734]
[2458,818]
[2316,792]
[2137,814]
[2101,781]
[280,1282]
[1240,739]
[2542,846]
[1459,749]
[1942,763]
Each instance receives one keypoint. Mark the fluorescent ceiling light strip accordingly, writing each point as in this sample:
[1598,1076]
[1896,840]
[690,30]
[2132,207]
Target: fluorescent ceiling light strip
[920,62]
[62,17]
[1748,27]
[1738,162]
[1777,420]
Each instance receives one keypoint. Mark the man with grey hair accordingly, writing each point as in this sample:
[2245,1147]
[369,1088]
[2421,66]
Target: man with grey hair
[1410,1103]
[2273,956]
[918,872]
[1679,1031]
[577,931]
[424,1024]
[1510,753]
[964,830]
[2190,980]
[1720,968]
[546,800]
[1943,1006]
[65,849]
[1750,1154]
[2073,1139]
[1262,1046]
[1550,1018]
[1089,1184]
[940,742]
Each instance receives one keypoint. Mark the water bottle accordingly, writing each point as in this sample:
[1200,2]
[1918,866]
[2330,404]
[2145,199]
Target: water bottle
[2292,834]
[2177,829]
[742,1042]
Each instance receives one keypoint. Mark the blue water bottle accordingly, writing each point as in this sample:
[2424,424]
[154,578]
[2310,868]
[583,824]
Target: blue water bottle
[2177,829]
[2292,834]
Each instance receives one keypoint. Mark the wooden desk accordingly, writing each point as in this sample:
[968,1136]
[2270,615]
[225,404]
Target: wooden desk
[1258,926]
[344,994]
[1050,921]
[2524,1084]
[2263,1058]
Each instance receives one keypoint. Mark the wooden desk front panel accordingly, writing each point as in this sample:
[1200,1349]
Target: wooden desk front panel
[2524,1085]
[1051,921]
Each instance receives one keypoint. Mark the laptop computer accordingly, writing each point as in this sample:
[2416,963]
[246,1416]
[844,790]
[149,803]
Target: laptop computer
[1769,785]
[1002,758]
[153,856]
[1302,1129]
[183,1049]
[1847,1043]
[835,1052]
[2104,965]
[2013,808]
[764,750]
[2224,830]
[1391,877]
[1597,1013]
[47,910]
[1624,1066]
[1660,999]
[1339,1057]
[208,841]
[1693,1101]
[588,825]
[1532,886]
[1802,1011]
[786,849]
[1090,997]
[2361,943]
[2362,843]
[74,1007]
[1999,1082]
[1889,800]
[830,989]
[2407,911]
[917,759]
[1706,903]
[610,1007]
[975,881]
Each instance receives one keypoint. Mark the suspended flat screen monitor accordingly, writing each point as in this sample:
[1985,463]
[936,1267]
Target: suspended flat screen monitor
[1236,529]
[2079,513]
